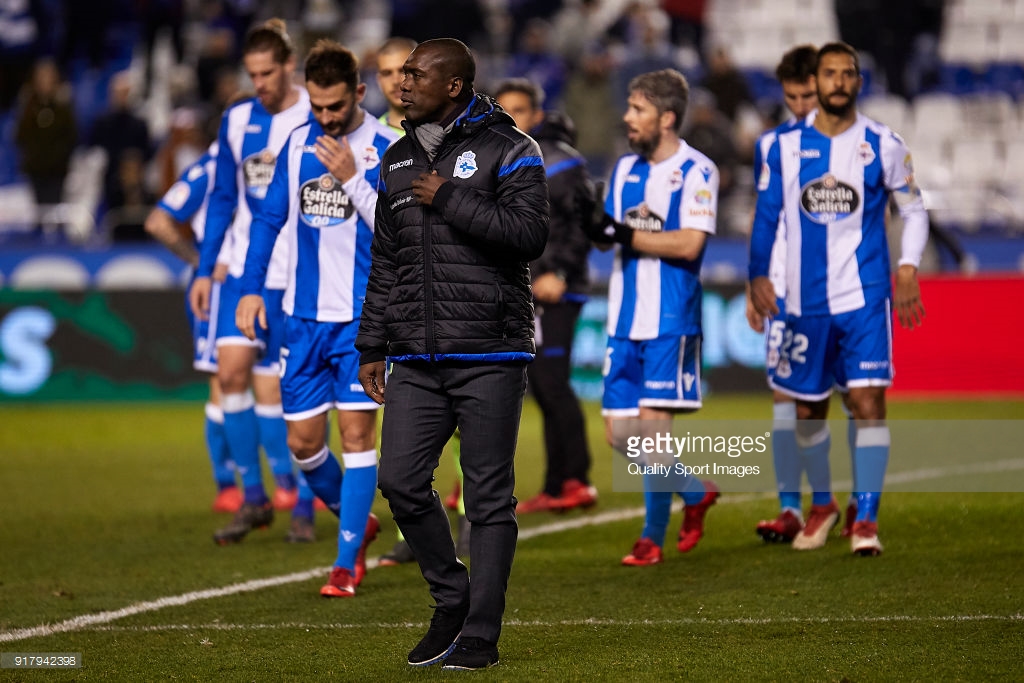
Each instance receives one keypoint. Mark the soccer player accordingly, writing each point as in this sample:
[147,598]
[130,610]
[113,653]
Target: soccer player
[185,201]
[660,208]
[795,73]
[832,180]
[323,200]
[251,135]
[559,290]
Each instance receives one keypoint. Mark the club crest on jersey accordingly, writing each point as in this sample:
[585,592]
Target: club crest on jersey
[177,195]
[323,203]
[675,181]
[828,199]
[257,171]
[865,153]
[643,219]
[370,158]
[465,165]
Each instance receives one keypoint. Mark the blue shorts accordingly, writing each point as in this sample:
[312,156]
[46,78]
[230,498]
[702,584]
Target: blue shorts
[852,349]
[657,373]
[268,341]
[204,333]
[320,369]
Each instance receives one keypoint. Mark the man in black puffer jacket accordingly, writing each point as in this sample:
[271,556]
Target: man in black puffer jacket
[559,290]
[462,209]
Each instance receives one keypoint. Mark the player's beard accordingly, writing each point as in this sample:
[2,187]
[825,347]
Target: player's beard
[645,146]
[840,110]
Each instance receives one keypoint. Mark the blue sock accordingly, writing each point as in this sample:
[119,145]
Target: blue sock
[872,458]
[357,493]
[785,455]
[217,447]
[814,450]
[323,474]
[274,439]
[304,505]
[240,429]
[658,506]
[692,491]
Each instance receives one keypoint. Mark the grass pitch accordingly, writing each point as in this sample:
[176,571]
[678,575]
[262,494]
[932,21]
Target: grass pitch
[106,550]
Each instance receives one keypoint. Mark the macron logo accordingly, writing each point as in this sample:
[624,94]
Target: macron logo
[348,535]
[688,380]
[400,164]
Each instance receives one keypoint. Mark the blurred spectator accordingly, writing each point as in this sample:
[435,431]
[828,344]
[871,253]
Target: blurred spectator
[216,55]
[157,15]
[647,47]
[687,19]
[46,133]
[727,83]
[523,14]
[130,201]
[321,19]
[592,104]
[536,61]
[118,131]
[186,141]
[22,37]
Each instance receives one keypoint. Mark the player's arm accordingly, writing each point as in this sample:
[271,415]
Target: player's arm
[763,233]
[899,178]
[164,229]
[372,340]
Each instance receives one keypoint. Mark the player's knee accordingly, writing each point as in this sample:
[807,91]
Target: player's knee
[304,446]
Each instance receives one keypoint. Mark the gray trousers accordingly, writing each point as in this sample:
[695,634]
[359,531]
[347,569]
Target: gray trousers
[423,404]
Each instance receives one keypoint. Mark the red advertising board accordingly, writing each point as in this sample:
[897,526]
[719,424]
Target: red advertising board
[971,340]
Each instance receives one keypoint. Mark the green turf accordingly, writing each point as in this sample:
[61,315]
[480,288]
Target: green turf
[106,506]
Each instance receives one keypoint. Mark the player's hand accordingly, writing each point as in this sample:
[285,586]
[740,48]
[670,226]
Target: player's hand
[754,319]
[220,272]
[425,187]
[337,156]
[762,296]
[372,377]
[907,298]
[199,297]
[251,308]
[548,288]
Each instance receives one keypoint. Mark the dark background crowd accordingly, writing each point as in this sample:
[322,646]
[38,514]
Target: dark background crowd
[103,103]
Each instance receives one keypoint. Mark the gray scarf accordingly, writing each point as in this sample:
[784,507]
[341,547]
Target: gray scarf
[430,135]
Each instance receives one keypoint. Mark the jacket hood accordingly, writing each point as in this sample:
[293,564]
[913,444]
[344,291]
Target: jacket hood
[556,126]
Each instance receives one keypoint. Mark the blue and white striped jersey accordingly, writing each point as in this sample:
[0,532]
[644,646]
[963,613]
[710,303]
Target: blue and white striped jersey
[650,296]
[250,140]
[328,224]
[833,193]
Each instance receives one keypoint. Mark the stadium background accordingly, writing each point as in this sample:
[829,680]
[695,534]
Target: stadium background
[960,105]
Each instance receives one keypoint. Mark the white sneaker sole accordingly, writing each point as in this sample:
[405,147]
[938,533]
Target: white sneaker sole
[806,541]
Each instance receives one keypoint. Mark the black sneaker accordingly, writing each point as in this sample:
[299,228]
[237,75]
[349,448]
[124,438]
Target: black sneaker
[471,654]
[401,553]
[247,518]
[301,531]
[438,643]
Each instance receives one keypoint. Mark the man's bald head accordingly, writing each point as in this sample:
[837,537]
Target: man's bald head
[454,59]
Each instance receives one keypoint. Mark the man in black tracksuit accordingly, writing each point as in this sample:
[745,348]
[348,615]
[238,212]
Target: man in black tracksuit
[462,209]
[559,290]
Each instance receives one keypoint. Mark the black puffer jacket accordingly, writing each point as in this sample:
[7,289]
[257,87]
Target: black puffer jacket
[452,281]
[568,246]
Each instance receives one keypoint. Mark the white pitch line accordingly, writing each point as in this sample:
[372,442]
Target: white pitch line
[87,620]
[521,623]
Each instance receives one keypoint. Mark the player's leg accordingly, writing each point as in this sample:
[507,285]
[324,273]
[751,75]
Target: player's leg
[269,413]
[786,458]
[866,354]
[851,443]
[672,386]
[229,497]
[805,371]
